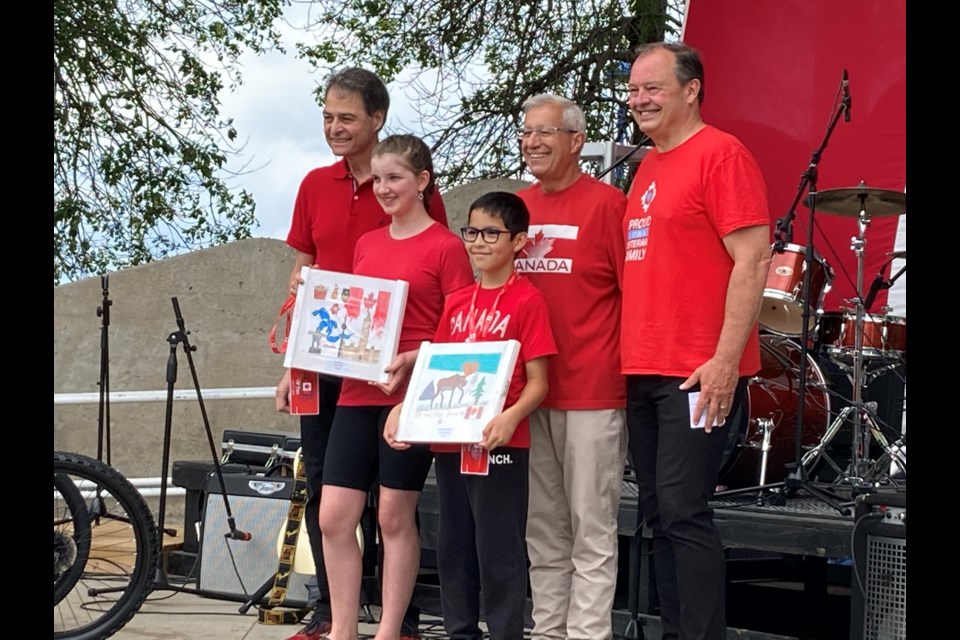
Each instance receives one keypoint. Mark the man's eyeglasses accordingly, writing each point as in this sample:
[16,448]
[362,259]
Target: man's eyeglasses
[543,132]
[490,234]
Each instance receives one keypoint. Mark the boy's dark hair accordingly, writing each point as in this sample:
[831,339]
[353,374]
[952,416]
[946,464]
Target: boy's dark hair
[507,206]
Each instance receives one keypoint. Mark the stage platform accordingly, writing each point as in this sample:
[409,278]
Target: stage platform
[788,570]
[789,562]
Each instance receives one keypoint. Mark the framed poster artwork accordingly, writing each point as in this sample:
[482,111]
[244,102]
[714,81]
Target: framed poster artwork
[455,389]
[346,325]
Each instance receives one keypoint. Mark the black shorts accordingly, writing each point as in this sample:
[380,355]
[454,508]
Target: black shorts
[358,456]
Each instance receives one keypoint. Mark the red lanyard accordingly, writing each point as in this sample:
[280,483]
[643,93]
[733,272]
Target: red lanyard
[285,310]
[488,318]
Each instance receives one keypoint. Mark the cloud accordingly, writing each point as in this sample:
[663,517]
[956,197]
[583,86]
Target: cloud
[281,133]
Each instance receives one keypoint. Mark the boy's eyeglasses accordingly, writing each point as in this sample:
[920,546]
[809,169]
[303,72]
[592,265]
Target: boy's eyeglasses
[489,234]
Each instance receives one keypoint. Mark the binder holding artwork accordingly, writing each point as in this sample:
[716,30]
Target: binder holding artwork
[346,325]
[455,389]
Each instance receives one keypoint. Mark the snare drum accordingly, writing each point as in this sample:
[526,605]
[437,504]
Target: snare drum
[784,297]
[882,335]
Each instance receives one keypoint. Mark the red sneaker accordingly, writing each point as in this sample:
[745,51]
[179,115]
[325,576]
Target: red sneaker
[313,631]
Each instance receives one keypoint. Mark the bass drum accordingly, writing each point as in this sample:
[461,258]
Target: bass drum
[773,397]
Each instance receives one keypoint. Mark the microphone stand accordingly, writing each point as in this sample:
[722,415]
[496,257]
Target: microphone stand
[176,338]
[103,414]
[797,478]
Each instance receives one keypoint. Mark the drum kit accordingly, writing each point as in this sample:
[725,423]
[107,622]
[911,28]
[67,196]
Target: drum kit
[765,435]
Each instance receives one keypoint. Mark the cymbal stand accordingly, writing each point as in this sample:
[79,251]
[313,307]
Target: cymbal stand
[861,472]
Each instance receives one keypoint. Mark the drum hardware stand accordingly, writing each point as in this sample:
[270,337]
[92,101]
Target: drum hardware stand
[866,471]
[797,478]
[767,426]
[860,472]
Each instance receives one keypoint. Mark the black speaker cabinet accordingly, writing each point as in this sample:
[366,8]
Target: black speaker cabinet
[235,569]
[879,603]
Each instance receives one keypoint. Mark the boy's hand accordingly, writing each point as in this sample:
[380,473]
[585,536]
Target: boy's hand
[498,431]
[390,429]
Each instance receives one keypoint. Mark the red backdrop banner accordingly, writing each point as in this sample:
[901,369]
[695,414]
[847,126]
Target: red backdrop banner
[773,75]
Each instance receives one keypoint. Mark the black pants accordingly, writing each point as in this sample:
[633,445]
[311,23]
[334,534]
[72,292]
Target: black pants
[677,469]
[314,435]
[481,548]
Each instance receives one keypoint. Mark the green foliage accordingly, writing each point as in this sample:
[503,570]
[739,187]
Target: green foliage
[139,142]
[470,66]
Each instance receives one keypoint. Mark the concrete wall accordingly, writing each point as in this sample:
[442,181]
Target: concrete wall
[229,297]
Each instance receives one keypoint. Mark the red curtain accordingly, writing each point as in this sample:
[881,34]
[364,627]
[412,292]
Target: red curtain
[773,72]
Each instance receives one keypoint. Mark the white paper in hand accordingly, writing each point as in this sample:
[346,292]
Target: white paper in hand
[693,398]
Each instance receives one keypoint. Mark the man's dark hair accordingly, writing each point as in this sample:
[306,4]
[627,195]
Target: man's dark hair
[365,84]
[507,206]
[688,63]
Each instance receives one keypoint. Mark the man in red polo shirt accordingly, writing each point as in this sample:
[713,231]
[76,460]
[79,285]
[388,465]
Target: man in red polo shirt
[335,206]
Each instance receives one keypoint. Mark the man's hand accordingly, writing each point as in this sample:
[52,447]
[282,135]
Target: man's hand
[300,260]
[718,382]
[283,393]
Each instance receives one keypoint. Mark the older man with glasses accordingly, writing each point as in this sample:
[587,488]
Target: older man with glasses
[578,439]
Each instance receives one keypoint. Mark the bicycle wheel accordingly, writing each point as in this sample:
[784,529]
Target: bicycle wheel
[122,553]
[71,535]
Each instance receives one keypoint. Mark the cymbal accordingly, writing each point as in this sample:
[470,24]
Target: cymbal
[851,201]
[898,254]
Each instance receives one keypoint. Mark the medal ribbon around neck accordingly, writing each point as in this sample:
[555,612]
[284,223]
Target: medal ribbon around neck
[488,318]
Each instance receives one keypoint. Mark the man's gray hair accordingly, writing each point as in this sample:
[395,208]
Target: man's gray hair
[573,117]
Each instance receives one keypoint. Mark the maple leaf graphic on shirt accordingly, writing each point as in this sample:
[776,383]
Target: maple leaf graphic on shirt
[538,246]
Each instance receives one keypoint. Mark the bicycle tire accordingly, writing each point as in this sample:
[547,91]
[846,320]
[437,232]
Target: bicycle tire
[123,555]
[71,536]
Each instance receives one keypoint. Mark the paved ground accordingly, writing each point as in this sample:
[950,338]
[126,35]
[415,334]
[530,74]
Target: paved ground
[183,616]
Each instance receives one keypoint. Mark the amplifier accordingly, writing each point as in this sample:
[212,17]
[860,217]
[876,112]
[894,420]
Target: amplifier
[879,603]
[235,569]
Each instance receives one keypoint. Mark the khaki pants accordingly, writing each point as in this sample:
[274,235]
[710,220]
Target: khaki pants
[576,473]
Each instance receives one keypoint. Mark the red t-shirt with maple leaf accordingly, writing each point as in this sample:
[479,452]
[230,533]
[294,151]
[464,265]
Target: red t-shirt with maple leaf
[575,256]
[434,263]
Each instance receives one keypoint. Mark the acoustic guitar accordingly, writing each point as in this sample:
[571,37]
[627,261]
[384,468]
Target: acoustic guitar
[303,557]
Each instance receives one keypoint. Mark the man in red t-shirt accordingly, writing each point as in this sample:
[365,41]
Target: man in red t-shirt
[697,254]
[578,439]
[336,205]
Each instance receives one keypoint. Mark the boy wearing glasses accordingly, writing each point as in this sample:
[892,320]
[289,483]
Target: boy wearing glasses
[574,254]
[480,539]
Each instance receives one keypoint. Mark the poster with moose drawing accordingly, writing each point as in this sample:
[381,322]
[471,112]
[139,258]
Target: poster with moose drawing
[346,325]
[455,389]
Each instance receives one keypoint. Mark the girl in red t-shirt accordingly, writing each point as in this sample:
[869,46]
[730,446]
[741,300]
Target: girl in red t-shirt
[432,260]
